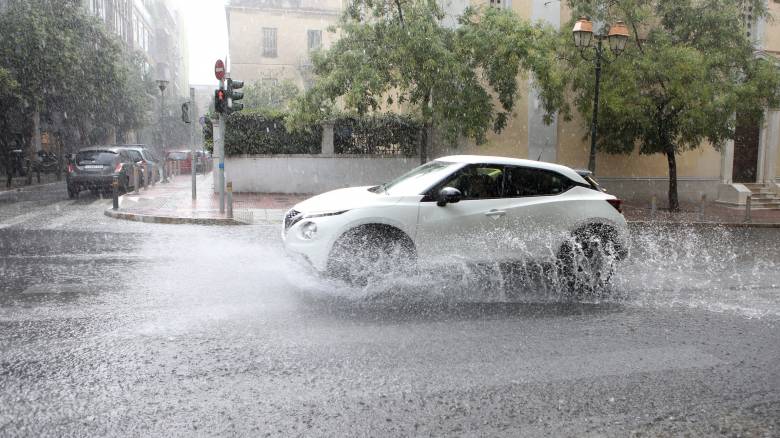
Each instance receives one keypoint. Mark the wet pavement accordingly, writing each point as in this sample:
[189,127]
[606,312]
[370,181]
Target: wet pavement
[112,327]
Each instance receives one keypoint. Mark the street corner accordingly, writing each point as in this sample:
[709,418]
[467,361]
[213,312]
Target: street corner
[152,218]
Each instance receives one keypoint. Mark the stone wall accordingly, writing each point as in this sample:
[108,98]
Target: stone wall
[312,173]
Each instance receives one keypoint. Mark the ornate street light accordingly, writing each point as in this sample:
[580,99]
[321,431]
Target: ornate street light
[583,38]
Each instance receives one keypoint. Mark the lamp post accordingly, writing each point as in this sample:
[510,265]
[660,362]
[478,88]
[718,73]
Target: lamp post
[162,84]
[583,38]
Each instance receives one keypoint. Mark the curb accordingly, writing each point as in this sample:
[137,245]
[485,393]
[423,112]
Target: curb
[30,188]
[152,219]
[706,224]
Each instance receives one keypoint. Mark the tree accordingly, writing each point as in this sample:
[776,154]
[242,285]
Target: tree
[73,72]
[398,52]
[270,96]
[687,70]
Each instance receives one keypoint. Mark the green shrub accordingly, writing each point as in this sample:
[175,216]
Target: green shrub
[255,133]
[252,132]
[380,134]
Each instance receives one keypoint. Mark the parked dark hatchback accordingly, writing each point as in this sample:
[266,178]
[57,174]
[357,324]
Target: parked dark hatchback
[94,169]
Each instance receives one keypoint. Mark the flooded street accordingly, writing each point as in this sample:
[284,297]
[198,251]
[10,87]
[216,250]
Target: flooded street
[119,328]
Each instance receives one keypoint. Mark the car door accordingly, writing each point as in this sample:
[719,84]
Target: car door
[538,212]
[465,230]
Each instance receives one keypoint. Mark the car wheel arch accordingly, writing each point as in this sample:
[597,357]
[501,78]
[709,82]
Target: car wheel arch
[380,228]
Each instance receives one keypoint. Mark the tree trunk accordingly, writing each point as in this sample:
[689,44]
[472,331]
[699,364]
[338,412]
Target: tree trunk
[423,144]
[674,203]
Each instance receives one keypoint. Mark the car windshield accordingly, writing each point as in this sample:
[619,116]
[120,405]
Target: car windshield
[420,179]
[95,157]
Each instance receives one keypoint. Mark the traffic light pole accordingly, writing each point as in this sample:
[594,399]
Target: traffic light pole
[219,151]
[194,160]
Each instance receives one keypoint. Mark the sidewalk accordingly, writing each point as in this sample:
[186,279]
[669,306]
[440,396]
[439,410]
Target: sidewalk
[19,183]
[171,203]
[713,214]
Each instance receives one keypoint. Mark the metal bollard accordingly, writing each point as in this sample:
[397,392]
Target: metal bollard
[748,205]
[230,199]
[146,176]
[154,175]
[653,206]
[136,180]
[115,191]
[702,206]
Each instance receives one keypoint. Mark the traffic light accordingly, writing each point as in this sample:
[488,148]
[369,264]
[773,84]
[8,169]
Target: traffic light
[185,112]
[234,95]
[220,101]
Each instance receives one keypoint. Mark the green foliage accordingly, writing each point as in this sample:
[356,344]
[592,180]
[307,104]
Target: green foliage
[259,133]
[377,134]
[71,69]
[688,69]
[399,53]
[266,96]
[253,132]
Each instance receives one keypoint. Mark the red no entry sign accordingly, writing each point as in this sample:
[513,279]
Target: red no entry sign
[219,69]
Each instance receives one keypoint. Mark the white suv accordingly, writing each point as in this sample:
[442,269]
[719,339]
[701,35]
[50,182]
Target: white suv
[467,209]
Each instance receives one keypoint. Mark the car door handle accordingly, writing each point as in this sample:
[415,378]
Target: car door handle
[495,213]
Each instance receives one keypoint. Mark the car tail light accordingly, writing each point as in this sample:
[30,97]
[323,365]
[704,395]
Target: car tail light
[71,168]
[118,167]
[617,203]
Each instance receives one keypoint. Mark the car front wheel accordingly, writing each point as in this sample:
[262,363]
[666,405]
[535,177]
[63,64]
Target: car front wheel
[370,253]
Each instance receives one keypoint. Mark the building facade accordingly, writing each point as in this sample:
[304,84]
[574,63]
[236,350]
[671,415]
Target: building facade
[270,40]
[154,28]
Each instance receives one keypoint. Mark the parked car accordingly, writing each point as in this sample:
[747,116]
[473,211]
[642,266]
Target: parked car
[472,209]
[183,158]
[94,169]
[142,154]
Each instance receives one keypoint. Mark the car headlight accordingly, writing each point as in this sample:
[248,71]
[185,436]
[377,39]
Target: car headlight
[308,230]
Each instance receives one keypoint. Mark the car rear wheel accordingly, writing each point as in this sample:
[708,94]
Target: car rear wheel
[370,253]
[588,261]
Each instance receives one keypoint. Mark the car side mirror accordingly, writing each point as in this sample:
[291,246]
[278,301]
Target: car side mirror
[448,195]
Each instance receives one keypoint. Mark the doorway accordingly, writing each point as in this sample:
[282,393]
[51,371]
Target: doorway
[746,138]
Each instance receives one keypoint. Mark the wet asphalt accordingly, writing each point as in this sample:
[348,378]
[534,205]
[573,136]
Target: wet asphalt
[110,328]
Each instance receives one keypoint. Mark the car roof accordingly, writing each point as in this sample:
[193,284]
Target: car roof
[113,149]
[506,161]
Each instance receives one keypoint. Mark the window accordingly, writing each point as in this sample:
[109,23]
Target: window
[480,181]
[314,40]
[269,42]
[503,4]
[524,181]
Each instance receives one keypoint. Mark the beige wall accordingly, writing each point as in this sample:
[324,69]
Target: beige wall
[771,41]
[246,41]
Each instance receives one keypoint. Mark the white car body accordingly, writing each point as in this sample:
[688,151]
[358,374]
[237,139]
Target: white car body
[471,230]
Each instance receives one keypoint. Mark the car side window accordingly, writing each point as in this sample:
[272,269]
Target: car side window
[525,181]
[477,182]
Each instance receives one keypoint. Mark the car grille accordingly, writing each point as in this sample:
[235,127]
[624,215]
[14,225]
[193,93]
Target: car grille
[291,218]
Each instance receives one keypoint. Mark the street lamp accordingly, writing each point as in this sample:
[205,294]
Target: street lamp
[162,84]
[583,38]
